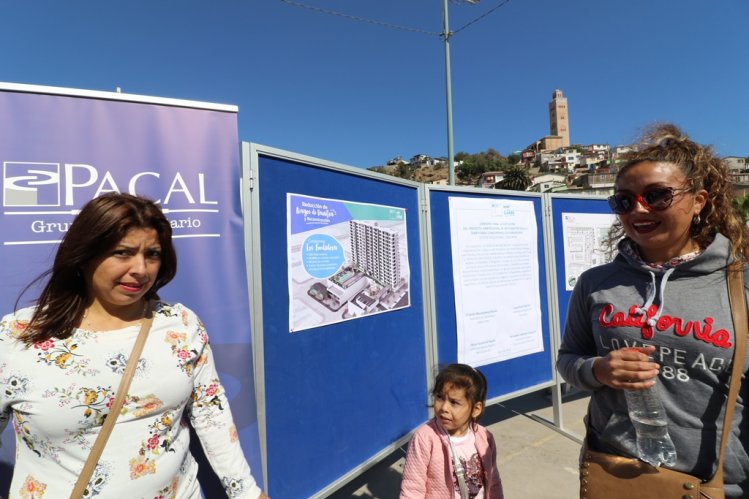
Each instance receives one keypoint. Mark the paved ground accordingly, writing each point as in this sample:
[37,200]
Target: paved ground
[535,461]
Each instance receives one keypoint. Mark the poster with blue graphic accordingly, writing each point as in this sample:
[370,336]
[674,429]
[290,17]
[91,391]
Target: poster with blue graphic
[346,260]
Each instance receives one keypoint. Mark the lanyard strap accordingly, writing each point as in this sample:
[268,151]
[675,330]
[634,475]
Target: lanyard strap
[460,472]
[114,410]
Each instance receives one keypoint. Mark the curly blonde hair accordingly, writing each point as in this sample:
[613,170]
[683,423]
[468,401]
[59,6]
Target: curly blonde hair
[666,143]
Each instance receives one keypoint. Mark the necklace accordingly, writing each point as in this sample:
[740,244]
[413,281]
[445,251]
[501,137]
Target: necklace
[88,325]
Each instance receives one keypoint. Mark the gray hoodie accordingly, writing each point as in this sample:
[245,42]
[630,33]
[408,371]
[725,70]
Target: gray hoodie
[687,318]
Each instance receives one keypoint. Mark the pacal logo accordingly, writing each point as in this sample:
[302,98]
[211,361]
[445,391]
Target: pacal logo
[51,192]
[31,184]
[47,184]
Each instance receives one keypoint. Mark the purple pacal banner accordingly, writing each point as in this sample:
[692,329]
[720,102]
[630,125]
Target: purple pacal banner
[59,151]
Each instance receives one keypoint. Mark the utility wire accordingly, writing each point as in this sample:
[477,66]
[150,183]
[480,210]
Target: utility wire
[391,25]
[482,16]
[361,19]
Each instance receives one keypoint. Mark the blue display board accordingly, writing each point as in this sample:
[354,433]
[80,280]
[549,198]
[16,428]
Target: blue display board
[502,377]
[559,206]
[337,394]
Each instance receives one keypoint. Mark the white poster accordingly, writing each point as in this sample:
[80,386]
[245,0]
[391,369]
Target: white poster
[346,260]
[584,243]
[496,276]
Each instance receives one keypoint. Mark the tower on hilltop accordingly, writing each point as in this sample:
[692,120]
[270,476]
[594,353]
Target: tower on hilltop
[559,117]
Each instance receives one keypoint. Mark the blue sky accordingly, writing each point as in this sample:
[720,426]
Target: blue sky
[361,93]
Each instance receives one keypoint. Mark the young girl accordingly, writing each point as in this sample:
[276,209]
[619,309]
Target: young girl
[453,440]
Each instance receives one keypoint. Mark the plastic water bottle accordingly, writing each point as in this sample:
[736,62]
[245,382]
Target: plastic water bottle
[654,445]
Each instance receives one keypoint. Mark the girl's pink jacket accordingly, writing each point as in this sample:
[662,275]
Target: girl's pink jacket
[429,468]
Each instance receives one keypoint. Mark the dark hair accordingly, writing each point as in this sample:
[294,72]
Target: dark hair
[99,227]
[466,377]
[666,143]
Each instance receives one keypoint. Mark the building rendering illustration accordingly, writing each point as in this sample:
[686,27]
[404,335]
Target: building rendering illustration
[375,251]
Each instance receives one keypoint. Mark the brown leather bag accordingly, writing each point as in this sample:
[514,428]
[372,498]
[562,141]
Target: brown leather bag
[608,476]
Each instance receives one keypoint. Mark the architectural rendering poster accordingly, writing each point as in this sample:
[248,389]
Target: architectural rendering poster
[346,260]
[496,276]
[584,243]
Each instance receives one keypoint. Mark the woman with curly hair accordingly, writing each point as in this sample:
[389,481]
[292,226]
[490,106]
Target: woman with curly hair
[660,310]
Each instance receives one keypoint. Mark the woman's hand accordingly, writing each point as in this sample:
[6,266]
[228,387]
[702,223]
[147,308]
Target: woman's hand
[628,368]
[263,496]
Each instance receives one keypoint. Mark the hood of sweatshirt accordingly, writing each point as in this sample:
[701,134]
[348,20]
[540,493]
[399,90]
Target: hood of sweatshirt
[713,258]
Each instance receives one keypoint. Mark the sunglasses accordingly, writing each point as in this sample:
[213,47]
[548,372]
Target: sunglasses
[655,199]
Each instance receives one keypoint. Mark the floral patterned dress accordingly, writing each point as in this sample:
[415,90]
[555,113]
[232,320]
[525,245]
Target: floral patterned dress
[58,392]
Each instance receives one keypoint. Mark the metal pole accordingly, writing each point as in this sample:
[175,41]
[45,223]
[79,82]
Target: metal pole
[448,87]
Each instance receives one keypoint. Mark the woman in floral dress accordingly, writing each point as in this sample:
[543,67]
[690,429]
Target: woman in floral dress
[62,360]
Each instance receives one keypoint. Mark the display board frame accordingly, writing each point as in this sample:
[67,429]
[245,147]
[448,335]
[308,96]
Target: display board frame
[558,205]
[270,176]
[524,376]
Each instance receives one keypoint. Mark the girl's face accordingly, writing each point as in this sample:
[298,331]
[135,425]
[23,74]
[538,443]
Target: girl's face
[454,411]
[660,234]
[121,278]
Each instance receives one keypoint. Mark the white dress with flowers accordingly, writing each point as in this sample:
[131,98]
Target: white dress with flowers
[57,394]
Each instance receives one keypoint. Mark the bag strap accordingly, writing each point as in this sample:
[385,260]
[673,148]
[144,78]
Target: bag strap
[114,410]
[460,473]
[737,299]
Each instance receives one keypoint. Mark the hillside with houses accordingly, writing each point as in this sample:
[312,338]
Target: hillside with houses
[549,164]
[585,170]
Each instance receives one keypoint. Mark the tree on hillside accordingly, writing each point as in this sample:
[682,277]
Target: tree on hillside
[741,205]
[475,164]
[492,153]
[514,158]
[515,179]
[404,170]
